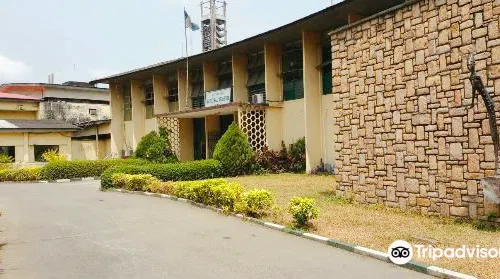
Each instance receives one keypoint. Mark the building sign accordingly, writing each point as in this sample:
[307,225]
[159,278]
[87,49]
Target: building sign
[218,97]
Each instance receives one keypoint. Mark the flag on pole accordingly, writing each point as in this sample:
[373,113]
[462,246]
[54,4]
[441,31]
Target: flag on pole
[188,23]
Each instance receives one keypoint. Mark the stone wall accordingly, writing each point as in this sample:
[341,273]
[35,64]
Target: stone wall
[404,133]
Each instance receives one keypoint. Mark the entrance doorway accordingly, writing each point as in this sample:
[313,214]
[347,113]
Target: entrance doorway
[199,145]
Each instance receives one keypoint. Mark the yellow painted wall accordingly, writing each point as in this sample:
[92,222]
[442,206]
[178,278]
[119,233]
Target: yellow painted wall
[138,112]
[186,139]
[274,127]
[293,125]
[26,115]
[24,143]
[86,149]
[18,106]
[160,94]
[149,125]
[274,85]
[210,80]
[240,91]
[312,99]
[117,121]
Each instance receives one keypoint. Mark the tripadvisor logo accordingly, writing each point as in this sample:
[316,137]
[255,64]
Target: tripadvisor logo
[400,252]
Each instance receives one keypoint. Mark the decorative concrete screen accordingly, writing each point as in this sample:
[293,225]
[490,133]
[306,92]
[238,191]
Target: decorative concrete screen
[172,125]
[252,121]
[405,134]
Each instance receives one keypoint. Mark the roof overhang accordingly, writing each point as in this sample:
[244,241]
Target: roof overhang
[205,111]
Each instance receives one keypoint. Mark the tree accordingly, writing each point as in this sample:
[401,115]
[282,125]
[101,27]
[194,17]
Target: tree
[234,152]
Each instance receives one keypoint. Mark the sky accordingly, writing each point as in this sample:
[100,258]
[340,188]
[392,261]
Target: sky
[90,39]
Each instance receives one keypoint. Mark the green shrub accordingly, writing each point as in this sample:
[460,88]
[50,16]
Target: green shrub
[22,174]
[156,148]
[284,160]
[79,169]
[256,203]
[53,156]
[214,192]
[297,156]
[234,151]
[5,161]
[135,182]
[183,171]
[303,210]
[162,187]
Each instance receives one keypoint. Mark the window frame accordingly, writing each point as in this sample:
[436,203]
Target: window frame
[293,71]
[127,102]
[326,69]
[149,99]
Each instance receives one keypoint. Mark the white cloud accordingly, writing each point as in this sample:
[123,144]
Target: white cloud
[12,70]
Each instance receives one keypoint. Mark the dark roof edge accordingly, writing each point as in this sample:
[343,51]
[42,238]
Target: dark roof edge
[52,85]
[379,14]
[154,66]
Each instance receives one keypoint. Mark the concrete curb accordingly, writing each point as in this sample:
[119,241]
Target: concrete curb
[56,181]
[416,266]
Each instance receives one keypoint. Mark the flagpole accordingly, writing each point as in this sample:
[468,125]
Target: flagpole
[187,65]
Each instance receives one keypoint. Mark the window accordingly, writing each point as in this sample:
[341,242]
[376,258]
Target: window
[326,69]
[8,150]
[150,99]
[196,81]
[40,149]
[293,85]
[225,74]
[93,112]
[256,83]
[127,102]
[173,89]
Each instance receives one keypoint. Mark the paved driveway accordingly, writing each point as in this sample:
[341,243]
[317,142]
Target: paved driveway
[72,230]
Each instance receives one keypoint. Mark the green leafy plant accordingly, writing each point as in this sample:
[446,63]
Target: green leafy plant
[22,174]
[156,148]
[135,182]
[53,156]
[4,158]
[162,187]
[234,151]
[84,168]
[303,209]
[5,161]
[284,160]
[183,171]
[256,203]
[214,192]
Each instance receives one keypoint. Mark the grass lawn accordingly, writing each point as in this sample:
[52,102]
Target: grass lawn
[374,226]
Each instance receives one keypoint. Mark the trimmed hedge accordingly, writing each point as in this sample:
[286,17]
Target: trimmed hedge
[22,174]
[80,169]
[184,171]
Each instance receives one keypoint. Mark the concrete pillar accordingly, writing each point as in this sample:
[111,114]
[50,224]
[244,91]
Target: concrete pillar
[311,45]
[274,84]
[160,93]
[138,112]
[210,79]
[26,149]
[117,126]
[211,126]
[186,139]
[274,93]
[240,91]
[184,100]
